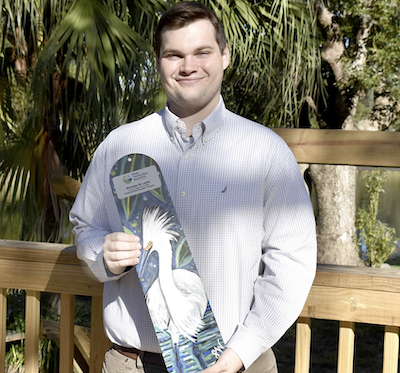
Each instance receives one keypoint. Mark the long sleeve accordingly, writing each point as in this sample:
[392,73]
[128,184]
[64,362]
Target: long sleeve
[288,260]
[90,217]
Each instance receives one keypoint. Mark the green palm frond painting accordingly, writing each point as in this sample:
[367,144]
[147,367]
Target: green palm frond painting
[129,205]
[183,256]
[127,230]
[158,193]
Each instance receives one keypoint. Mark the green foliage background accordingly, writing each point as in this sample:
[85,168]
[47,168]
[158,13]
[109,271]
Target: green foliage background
[379,239]
[71,70]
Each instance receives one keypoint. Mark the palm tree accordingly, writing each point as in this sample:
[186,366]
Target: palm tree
[71,70]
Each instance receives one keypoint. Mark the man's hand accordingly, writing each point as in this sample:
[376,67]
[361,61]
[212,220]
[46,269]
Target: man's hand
[228,362]
[121,250]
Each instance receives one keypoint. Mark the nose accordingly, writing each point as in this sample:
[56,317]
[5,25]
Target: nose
[189,65]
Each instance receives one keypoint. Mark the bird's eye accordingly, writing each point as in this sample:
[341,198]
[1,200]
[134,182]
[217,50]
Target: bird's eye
[149,246]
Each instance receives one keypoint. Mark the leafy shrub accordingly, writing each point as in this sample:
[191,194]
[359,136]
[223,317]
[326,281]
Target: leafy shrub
[379,239]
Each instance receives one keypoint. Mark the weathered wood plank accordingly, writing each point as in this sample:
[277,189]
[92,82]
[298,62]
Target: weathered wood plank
[67,333]
[38,252]
[52,330]
[99,342]
[380,279]
[391,350]
[82,341]
[361,148]
[12,336]
[353,305]
[346,347]
[17,244]
[32,330]
[50,277]
[303,345]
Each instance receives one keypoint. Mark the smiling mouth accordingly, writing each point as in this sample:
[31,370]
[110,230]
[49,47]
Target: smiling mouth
[188,81]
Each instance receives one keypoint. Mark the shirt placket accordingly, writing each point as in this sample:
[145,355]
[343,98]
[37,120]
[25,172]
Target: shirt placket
[184,189]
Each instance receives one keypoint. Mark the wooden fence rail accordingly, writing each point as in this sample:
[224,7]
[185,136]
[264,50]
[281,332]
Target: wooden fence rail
[350,295]
[338,147]
[41,267]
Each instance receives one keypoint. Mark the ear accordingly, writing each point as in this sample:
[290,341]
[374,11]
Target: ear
[226,57]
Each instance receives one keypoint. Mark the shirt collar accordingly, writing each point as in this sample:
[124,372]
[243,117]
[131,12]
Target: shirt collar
[205,129]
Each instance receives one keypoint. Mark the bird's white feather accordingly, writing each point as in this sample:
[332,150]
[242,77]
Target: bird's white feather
[176,300]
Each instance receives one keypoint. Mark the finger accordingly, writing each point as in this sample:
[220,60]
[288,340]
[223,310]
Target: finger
[110,244]
[117,262]
[119,246]
[228,362]
[121,236]
[117,256]
[126,263]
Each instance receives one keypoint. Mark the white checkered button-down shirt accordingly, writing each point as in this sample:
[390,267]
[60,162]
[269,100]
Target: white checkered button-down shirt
[242,203]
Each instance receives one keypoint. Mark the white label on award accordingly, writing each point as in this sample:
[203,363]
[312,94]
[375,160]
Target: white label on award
[136,182]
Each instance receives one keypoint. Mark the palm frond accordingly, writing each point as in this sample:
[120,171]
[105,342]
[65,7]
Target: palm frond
[91,32]
[72,70]
[274,57]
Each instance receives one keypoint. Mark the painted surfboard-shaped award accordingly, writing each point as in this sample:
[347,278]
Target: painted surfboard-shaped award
[187,332]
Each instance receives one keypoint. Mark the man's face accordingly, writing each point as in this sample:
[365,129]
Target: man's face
[191,68]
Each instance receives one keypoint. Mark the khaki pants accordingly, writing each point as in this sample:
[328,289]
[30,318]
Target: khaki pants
[266,363]
[115,362]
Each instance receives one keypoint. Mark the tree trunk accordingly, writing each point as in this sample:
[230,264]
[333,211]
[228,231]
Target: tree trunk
[335,186]
[336,199]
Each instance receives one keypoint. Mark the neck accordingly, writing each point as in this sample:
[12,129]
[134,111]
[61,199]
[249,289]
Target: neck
[191,118]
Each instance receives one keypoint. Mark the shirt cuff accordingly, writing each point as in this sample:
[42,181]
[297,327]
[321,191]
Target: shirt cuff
[246,346]
[111,276]
[100,270]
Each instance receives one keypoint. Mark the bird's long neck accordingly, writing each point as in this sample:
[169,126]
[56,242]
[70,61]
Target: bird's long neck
[166,279]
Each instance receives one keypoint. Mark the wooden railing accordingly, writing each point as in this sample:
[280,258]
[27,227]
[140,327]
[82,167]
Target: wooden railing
[352,295]
[357,148]
[348,294]
[41,267]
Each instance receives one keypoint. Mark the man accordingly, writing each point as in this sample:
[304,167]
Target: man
[239,196]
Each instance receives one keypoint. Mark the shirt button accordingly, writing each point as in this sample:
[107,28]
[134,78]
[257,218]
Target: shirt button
[186,156]
[183,194]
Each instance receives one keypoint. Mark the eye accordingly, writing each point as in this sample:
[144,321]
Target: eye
[173,56]
[203,53]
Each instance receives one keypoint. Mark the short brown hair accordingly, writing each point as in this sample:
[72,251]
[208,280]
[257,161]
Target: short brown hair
[184,13]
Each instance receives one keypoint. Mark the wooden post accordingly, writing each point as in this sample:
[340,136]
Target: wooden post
[32,329]
[303,345]
[391,350]
[67,333]
[99,341]
[346,347]
[3,322]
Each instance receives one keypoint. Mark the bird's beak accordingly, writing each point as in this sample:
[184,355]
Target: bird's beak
[149,246]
